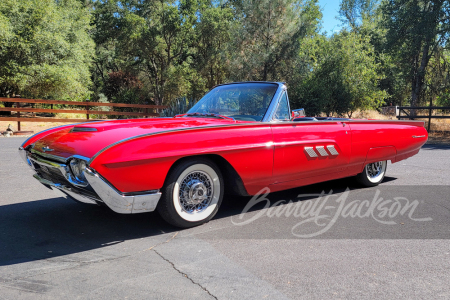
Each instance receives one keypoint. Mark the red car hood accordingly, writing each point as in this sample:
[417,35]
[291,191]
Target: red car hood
[89,138]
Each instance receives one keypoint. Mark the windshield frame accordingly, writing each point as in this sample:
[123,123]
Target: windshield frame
[281,87]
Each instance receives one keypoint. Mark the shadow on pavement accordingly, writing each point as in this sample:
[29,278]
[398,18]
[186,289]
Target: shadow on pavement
[436,147]
[30,230]
[54,227]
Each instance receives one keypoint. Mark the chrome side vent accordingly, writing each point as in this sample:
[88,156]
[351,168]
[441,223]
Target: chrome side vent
[332,150]
[310,151]
[321,150]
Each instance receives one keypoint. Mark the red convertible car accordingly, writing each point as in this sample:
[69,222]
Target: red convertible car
[239,138]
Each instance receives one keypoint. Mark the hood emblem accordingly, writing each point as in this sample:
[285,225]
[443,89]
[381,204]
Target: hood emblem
[47,149]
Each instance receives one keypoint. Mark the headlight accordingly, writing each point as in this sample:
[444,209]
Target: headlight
[77,166]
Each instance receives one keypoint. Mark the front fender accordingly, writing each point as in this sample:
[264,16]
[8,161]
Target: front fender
[143,162]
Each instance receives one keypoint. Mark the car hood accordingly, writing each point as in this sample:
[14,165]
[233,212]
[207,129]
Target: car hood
[88,138]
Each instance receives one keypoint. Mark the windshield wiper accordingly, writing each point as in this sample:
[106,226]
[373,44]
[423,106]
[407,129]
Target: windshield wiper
[205,115]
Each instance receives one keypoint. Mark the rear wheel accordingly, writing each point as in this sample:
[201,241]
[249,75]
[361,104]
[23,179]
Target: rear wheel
[192,193]
[373,173]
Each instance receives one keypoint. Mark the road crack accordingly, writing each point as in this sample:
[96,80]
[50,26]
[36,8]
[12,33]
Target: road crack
[163,242]
[185,275]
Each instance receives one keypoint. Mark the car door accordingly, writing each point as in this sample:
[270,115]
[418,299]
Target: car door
[309,149]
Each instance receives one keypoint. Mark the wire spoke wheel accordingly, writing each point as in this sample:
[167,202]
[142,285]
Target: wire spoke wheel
[192,193]
[196,191]
[374,169]
[373,173]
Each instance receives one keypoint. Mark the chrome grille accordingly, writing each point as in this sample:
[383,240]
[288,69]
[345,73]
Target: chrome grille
[51,174]
[55,175]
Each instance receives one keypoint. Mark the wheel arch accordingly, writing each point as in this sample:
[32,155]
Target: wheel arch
[375,154]
[232,180]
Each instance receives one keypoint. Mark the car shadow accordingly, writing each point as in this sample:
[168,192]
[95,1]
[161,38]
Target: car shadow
[436,147]
[48,228]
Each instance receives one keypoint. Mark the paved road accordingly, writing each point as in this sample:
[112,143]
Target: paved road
[322,241]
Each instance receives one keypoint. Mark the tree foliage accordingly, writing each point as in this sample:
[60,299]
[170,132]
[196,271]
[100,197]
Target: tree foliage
[154,52]
[45,49]
[416,30]
[267,37]
[344,77]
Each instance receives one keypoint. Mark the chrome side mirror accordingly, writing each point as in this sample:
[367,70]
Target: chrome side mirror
[298,113]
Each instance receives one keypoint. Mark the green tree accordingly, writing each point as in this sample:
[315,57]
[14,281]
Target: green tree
[416,29]
[356,12]
[212,35]
[267,37]
[105,32]
[45,49]
[158,36]
[344,75]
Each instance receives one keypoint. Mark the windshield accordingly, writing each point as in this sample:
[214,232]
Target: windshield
[243,101]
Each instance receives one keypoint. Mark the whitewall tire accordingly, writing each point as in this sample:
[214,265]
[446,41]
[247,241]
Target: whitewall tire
[373,173]
[192,193]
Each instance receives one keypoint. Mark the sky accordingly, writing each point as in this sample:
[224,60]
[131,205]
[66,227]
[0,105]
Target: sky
[330,10]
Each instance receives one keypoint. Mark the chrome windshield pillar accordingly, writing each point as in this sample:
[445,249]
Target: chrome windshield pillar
[274,104]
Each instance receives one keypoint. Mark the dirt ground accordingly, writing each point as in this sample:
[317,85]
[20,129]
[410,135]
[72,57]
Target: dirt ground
[29,126]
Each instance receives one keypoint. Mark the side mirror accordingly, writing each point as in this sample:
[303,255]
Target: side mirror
[298,113]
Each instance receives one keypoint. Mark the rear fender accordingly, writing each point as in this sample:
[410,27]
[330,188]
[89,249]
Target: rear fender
[380,154]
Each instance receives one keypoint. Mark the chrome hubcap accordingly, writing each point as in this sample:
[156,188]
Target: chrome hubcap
[374,169]
[196,192]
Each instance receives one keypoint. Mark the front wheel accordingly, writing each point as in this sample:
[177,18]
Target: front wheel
[192,193]
[373,173]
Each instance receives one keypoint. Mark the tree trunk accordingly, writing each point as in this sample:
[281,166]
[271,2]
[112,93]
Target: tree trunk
[419,78]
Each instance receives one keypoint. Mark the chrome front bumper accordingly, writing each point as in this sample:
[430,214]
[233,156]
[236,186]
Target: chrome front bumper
[129,203]
[118,202]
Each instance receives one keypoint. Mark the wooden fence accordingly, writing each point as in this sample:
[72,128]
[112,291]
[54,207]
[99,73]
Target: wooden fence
[410,112]
[147,110]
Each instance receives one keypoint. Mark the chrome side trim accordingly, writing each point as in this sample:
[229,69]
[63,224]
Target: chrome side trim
[310,151]
[332,150]
[321,150]
[177,130]
[118,202]
[418,136]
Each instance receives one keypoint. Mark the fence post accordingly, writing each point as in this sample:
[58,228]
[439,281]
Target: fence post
[397,112]
[87,111]
[429,115]
[18,115]
[429,120]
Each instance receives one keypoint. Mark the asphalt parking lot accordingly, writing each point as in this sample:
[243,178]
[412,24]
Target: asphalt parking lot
[330,240]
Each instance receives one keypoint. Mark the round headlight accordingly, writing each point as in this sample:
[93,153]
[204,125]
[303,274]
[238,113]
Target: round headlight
[77,166]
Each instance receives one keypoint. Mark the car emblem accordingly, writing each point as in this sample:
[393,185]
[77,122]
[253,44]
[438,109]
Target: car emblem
[46,149]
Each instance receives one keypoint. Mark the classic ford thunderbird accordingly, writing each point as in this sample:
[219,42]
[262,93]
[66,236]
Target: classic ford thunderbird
[238,139]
